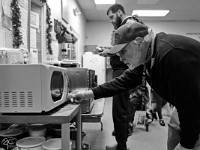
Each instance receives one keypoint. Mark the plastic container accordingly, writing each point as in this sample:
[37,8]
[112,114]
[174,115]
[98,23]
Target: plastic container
[37,130]
[53,144]
[30,143]
[9,137]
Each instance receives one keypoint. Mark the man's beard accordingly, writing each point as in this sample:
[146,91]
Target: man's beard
[118,22]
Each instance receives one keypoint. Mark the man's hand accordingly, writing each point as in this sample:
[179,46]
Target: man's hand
[105,54]
[104,51]
[78,96]
[179,147]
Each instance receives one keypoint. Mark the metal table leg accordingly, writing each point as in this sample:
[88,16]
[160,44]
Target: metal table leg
[79,131]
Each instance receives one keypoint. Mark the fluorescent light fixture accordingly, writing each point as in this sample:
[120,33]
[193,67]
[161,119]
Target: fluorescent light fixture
[150,13]
[104,1]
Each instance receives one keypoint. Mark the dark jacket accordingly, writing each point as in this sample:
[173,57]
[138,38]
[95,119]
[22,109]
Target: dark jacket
[117,64]
[175,76]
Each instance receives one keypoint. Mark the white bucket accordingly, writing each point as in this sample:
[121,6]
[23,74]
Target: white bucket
[37,130]
[52,144]
[30,143]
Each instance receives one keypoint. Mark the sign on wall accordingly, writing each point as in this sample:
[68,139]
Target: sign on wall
[65,10]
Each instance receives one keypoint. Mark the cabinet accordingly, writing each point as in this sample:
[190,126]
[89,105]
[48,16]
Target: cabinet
[63,115]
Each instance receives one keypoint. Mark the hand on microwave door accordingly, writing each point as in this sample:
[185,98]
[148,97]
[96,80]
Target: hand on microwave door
[80,95]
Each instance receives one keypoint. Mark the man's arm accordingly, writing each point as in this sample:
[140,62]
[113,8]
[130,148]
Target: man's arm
[103,51]
[128,80]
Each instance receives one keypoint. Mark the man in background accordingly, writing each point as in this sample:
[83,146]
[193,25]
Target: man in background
[122,117]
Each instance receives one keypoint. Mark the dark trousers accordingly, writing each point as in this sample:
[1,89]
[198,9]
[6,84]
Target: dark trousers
[158,100]
[121,114]
[159,108]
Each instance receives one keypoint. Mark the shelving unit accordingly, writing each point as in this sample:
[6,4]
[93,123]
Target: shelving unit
[61,116]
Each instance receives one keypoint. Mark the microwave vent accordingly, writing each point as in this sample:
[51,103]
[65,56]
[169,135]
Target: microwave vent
[16,99]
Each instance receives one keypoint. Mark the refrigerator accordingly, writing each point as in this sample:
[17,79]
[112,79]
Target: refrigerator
[97,63]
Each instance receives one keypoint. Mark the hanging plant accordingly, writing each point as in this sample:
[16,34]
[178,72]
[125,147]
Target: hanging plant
[16,23]
[49,27]
[43,1]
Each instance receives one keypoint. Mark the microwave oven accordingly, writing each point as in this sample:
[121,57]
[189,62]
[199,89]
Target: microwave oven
[78,79]
[82,79]
[32,88]
[92,78]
